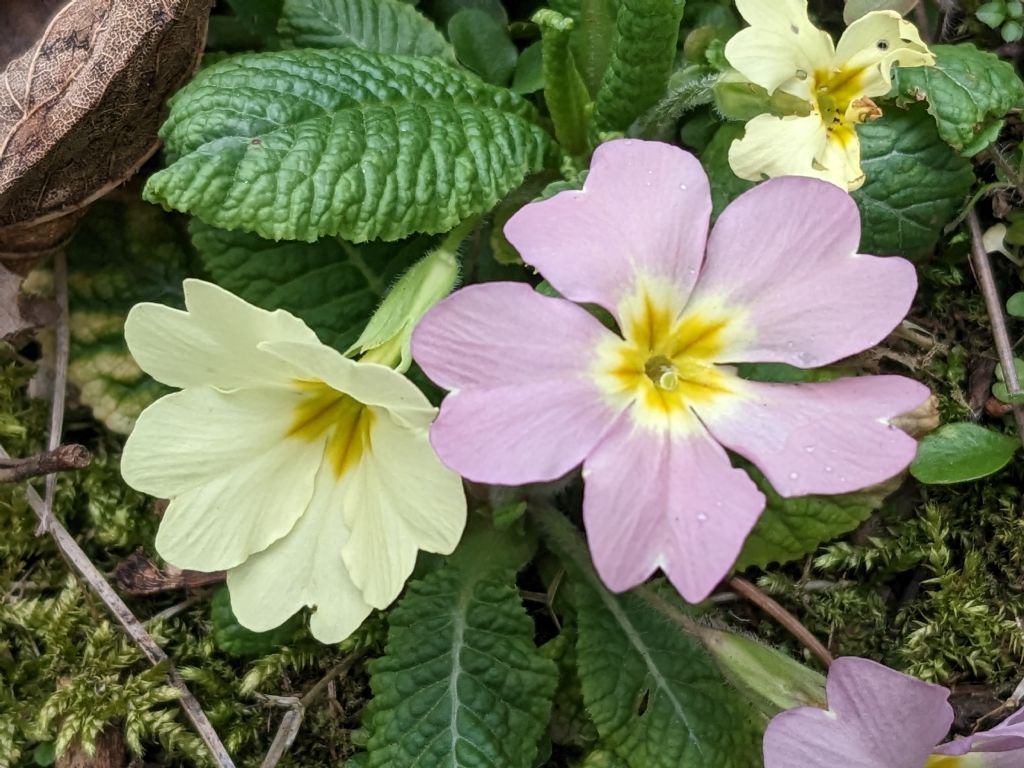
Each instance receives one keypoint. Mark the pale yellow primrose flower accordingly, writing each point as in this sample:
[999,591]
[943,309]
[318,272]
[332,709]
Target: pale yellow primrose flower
[306,475]
[782,51]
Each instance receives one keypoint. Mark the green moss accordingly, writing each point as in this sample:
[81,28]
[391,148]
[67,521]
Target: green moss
[66,671]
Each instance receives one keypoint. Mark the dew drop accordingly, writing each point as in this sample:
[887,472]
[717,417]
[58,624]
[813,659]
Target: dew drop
[883,45]
[801,74]
[828,469]
[718,504]
[809,448]
[691,271]
[702,517]
[794,29]
[682,186]
[793,475]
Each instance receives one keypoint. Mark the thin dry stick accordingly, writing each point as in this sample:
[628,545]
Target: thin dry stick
[154,653]
[993,304]
[291,721]
[784,617]
[61,459]
[60,378]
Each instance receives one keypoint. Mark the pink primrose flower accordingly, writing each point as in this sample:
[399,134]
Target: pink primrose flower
[539,386]
[881,718]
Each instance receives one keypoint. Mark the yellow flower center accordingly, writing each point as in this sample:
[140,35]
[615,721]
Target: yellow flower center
[834,92]
[947,761]
[323,409]
[665,363]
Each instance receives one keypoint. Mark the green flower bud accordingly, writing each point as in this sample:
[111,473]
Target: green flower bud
[769,678]
[740,99]
[387,337]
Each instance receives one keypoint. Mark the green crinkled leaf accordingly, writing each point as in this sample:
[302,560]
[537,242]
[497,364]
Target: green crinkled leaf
[642,55]
[301,144]
[332,285]
[654,694]
[235,640]
[791,528]
[592,36]
[483,45]
[385,26]
[915,184]
[461,684]
[565,93]
[124,252]
[957,453]
[969,93]
[725,185]
[570,723]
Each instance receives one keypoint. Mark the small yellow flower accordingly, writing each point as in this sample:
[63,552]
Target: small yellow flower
[306,475]
[782,51]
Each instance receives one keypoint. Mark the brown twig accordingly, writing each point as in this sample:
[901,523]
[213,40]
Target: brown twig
[982,267]
[122,613]
[60,378]
[291,721]
[61,459]
[784,617]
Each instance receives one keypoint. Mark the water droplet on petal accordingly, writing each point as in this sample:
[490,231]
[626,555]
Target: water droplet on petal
[801,74]
[809,448]
[718,504]
[682,186]
[691,271]
[702,517]
[828,469]
[793,475]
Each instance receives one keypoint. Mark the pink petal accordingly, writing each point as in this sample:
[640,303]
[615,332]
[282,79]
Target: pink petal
[644,208]
[830,437]
[1007,737]
[785,252]
[656,501]
[877,718]
[523,406]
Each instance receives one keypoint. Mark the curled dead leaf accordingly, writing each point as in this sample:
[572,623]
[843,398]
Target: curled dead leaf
[82,95]
[21,313]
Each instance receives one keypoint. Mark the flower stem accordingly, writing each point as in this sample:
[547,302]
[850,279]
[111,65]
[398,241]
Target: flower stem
[982,266]
[784,617]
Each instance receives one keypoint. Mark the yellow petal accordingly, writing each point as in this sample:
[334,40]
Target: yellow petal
[212,343]
[797,146]
[399,500]
[303,569]
[874,44]
[368,383]
[781,49]
[235,483]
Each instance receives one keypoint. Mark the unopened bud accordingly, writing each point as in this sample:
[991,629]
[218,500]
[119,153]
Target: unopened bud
[770,679]
[920,421]
[387,338]
[739,99]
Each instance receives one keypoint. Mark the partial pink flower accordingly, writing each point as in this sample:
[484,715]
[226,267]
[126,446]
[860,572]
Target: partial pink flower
[880,718]
[539,386]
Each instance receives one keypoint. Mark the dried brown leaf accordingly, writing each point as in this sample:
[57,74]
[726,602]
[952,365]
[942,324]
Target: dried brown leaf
[21,313]
[81,102]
